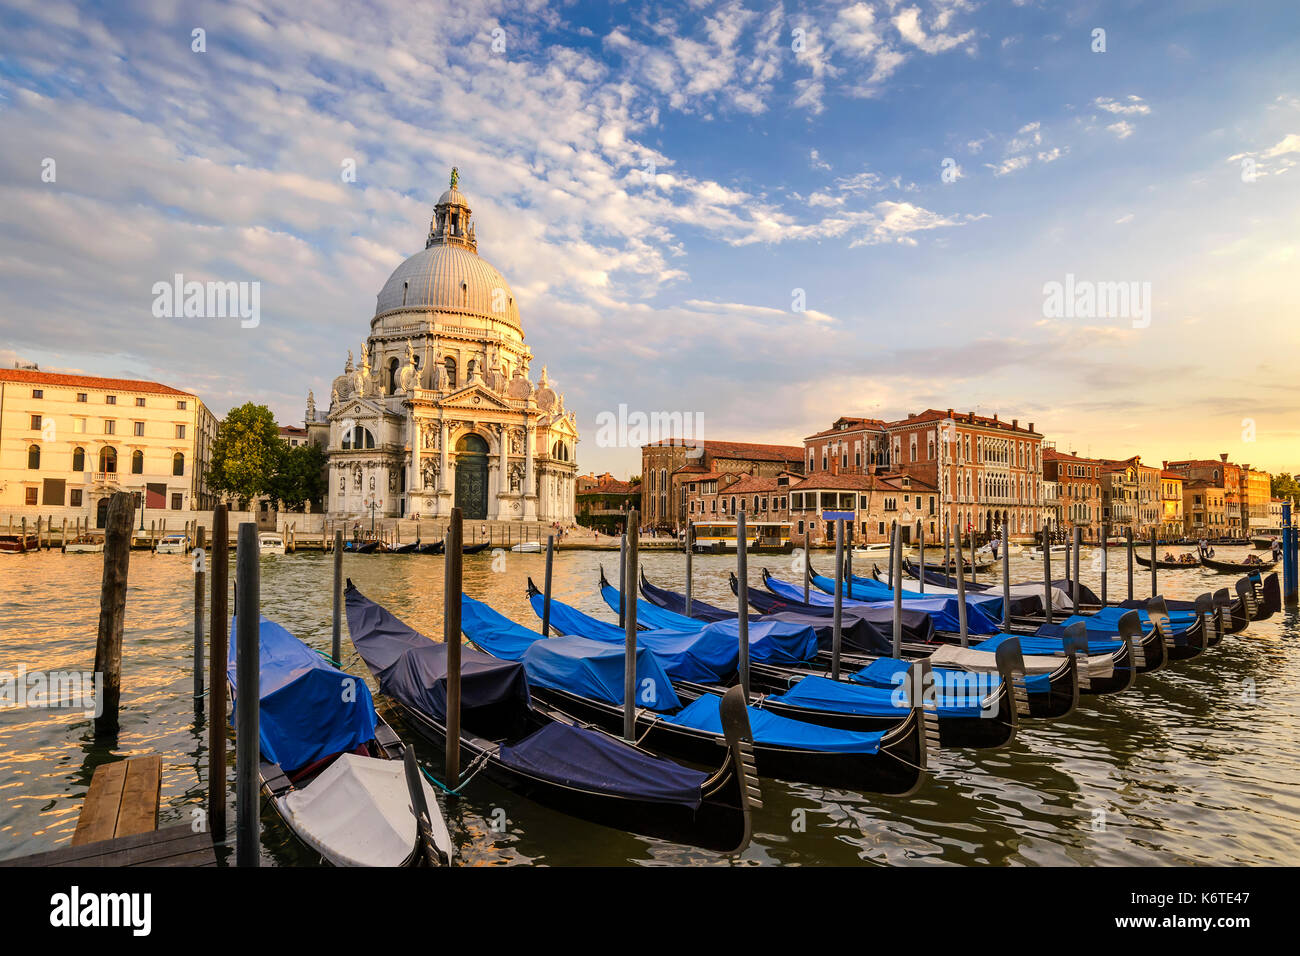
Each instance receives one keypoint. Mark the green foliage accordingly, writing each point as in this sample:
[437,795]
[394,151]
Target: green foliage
[246,453]
[1284,486]
[301,477]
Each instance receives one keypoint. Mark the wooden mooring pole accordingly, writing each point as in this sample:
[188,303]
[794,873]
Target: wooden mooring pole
[112,609]
[742,601]
[451,637]
[248,602]
[628,620]
[546,586]
[220,571]
[200,568]
[336,632]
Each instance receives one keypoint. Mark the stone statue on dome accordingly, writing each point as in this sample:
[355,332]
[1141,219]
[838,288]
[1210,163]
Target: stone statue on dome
[409,373]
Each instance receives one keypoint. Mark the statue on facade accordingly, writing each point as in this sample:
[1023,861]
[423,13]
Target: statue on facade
[516,477]
[311,406]
[408,378]
[430,472]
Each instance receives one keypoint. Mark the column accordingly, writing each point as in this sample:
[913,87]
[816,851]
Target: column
[442,456]
[530,495]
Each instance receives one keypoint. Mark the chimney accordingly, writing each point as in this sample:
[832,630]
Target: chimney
[1223,457]
[1015,423]
[1031,426]
[950,413]
[835,466]
[995,416]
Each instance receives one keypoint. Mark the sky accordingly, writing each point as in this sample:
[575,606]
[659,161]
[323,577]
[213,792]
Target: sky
[766,215]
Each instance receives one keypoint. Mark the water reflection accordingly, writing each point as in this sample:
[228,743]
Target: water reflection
[1196,764]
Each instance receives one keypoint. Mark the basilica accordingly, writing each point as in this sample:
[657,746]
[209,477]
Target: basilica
[440,409]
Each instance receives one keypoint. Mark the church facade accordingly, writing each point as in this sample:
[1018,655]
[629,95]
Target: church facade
[441,410]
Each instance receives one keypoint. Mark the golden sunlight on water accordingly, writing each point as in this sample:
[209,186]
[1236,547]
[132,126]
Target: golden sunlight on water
[1197,764]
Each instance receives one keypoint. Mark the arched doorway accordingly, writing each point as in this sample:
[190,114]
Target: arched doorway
[472,477]
[101,513]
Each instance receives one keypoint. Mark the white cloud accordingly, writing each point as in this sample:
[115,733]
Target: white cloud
[1132,105]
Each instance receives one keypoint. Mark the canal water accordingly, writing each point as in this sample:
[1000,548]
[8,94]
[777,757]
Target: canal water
[1198,764]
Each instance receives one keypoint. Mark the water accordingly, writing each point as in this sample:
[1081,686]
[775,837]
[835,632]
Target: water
[1197,764]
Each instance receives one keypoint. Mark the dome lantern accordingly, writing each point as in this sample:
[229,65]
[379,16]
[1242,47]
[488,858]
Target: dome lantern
[451,218]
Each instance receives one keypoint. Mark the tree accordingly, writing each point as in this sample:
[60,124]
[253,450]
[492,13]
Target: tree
[301,477]
[1284,486]
[247,452]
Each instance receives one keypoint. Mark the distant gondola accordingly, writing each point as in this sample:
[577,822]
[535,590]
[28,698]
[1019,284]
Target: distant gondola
[411,548]
[434,547]
[1162,563]
[1230,567]
[475,548]
[361,547]
[549,756]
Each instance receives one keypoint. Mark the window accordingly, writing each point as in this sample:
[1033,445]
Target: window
[79,459]
[176,501]
[108,460]
[139,403]
[31,496]
[34,457]
[181,405]
[38,393]
[74,498]
[180,431]
[451,372]
[178,464]
[110,399]
[36,423]
[138,428]
[82,397]
[110,427]
[137,462]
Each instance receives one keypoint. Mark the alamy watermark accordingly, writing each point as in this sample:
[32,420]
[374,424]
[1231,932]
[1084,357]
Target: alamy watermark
[1084,299]
[52,690]
[208,300]
[624,429]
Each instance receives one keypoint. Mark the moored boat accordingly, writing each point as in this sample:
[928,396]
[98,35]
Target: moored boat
[338,776]
[172,544]
[270,542]
[549,756]
[1233,567]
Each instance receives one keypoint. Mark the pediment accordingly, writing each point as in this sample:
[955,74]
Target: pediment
[356,408]
[476,398]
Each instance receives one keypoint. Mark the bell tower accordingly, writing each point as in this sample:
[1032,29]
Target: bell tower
[451,225]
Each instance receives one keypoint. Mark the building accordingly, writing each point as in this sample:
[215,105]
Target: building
[1171,504]
[986,471]
[669,466]
[442,409]
[1120,505]
[1257,493]
[293,436]
[1220,474]
[720,497]
[1079,492]
[876,499]
[602,502]
[1204,509]
[69,442]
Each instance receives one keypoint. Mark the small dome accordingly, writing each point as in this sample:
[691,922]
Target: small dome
[452,197]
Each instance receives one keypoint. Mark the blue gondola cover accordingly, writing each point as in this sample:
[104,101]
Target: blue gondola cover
[776,731]
[589,759]
[952,700]
[309,709]
[595,669]
[413,669]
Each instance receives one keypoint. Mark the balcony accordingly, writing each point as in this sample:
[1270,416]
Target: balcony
[103,477]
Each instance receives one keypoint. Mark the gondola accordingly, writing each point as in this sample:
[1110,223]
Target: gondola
[583,676]
[433,547]
[338,776]
[475,548]
[977,712]
[551,757]
[1230,567]
[361,547]
[1162,563]
[404,548]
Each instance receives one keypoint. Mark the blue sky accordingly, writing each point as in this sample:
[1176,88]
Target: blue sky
[656,181]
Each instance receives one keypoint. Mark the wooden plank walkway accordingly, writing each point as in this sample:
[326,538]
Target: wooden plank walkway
[171,846]
[118,825]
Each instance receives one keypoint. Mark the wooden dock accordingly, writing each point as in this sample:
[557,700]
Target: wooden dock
[118,825]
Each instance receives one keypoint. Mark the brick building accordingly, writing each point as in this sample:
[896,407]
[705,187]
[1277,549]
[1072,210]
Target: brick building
[984,471]
[1079,490]
[877,499]
[601,502]
[669,466]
